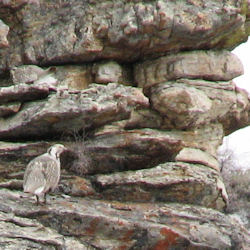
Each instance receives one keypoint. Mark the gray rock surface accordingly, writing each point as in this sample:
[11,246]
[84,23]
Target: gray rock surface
[207,65]
[35,235]
[178,182]
[9,109]
[190,103]
[109,225]
[119,30]
[23,92]
[66,112]
[141,169]
[111,71]
[194,155]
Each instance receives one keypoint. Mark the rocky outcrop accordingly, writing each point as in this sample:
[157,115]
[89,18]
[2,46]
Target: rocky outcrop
[141,93]
[67,223]
[192,103]
[119,30]
[66,112]
[178,182]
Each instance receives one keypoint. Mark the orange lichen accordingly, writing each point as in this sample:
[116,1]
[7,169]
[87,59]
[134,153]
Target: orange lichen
[123,247]
[128,235]
[170,239]
[92,227]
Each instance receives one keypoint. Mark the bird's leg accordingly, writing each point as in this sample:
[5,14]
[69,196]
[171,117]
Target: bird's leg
[37,200]
[45,198]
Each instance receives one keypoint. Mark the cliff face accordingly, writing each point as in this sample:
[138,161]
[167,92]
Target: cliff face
[141,93]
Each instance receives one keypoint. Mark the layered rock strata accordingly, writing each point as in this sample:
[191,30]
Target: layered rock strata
[120,30]
[141,93]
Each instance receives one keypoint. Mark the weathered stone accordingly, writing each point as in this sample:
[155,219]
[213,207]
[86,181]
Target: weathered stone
[121,30]
[184,106]
[194,155]
[23,92]
[12,184]
[143,118]
[168,182]
[24,233]
[109,225]
[123,146]
[4,30]
[76,186]
[143,148]
[111,71]
[139,118]
[74,77]
[9,109]
[67,112]
[13,151]
[208,65]
[15,156]
[190,103]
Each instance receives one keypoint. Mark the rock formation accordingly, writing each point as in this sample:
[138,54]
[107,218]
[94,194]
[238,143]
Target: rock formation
[142,93]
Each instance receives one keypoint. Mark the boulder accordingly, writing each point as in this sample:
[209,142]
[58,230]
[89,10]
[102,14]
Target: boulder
[207,65]
[111,71]
[183,106]
[167,182]
[194,155]
[190,103]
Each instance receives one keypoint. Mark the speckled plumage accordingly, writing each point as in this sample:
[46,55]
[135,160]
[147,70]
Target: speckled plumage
[43,173]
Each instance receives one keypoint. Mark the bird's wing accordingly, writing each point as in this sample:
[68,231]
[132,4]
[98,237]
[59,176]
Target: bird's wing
[52,173]
[34,178]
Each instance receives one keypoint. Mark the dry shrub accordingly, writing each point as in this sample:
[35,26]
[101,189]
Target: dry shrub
[238,188]
[80,159]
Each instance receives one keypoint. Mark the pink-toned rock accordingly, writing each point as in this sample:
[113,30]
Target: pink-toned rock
[122,31]
[194,155]
[4,30]
[111,71]
[168,182]
[23,92]
[190,103]
[208,65]
[66,112]
[120,150]
[184,106]
[9,109]
[77,222]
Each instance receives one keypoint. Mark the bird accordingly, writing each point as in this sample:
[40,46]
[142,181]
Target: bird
[29,74]
[42,174]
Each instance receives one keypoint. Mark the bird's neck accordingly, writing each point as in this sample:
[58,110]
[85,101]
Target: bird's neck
[55,155]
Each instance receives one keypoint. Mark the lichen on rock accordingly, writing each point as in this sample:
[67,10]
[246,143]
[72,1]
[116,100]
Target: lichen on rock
[141,93]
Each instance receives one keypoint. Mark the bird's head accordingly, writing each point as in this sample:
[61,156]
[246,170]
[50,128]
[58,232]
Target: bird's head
[56,150]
